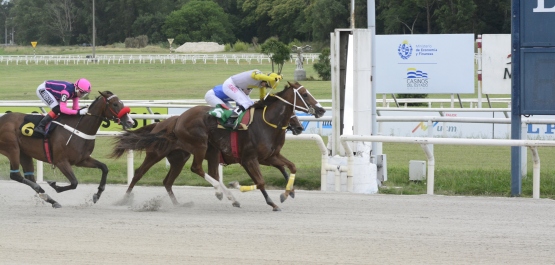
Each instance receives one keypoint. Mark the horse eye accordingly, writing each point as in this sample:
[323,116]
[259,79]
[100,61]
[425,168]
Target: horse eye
[305,95]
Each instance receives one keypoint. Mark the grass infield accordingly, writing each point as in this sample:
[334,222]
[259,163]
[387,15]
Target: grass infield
[460,170]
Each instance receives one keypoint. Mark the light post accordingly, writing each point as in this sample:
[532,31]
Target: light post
[93,33]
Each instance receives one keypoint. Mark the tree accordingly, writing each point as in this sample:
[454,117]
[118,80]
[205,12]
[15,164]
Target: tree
[288,19]
[323,66]
[199,20]
[277,51]
[456,16]
[324,16]
[62,17]
[256,18]
[5,7]
[401,16]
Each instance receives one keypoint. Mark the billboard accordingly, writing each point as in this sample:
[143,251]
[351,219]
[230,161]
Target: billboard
[496,64]
[425,64]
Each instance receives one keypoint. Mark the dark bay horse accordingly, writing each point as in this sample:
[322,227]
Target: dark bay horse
[70,144]
[177,157]
[196,132]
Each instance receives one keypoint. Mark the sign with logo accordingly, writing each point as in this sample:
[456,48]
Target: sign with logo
[496,64]
[425,64]
[536,62]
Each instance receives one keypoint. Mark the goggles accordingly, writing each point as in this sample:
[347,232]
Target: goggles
[83,93]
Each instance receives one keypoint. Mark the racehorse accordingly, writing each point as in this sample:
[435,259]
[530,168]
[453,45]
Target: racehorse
[196,132]
[71,144]
[177,158]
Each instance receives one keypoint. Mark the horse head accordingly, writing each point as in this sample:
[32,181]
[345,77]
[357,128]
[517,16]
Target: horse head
[304,101]
[112,109]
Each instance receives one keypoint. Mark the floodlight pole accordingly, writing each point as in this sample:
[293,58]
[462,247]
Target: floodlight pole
[94,32]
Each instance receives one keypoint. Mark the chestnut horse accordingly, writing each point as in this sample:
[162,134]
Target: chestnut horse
[71,144]
[196,132]
[178,157]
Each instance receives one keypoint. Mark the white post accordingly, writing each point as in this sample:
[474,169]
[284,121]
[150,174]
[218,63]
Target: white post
[40,171]
[129,166]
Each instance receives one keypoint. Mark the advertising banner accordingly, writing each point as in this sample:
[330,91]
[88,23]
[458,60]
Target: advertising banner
[496,64]
[425,64]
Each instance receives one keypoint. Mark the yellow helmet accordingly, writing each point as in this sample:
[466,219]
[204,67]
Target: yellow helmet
[273,80]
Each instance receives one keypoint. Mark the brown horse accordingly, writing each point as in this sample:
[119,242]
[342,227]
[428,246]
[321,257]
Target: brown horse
[71,144]
[196,132]
[178,157]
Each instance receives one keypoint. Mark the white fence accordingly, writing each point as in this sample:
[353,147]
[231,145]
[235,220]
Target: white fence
[146,59]
[426,143]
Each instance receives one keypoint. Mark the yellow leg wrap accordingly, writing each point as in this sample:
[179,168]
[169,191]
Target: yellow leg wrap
[290,182]
[247,188]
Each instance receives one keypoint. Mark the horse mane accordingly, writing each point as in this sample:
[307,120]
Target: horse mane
[269,100]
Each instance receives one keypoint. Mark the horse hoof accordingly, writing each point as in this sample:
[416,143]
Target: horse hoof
[277,209]
[219,195]
[236,204]
[292,194]
[234,184]
[51,183]
[282,197]
[56,205]
[95,198]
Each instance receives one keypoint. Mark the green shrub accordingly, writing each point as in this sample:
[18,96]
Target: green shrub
[413,96]
[138,42]
[323,66]
[240,46]
[227,47]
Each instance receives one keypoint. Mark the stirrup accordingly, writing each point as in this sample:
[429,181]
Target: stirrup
[40,131]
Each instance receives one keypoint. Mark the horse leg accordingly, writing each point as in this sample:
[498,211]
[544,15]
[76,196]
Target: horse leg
[16,175]
[253,169]
[279,162]
[177,160]
[151,159]
[65,168]
[90,162]
[28,167]
[196,168]
[212,156]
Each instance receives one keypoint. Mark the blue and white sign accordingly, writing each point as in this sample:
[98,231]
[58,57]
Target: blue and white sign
[425,64]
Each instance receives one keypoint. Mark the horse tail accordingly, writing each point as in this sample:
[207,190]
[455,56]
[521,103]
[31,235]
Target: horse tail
[142,139]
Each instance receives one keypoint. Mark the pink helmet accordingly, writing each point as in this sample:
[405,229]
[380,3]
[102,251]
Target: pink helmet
[83,84]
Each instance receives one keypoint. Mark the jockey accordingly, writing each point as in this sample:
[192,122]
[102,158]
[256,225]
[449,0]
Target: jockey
[217,96]
[55,95]
[239,86]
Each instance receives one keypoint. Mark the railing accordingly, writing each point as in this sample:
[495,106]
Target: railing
[173,58]
[426,142]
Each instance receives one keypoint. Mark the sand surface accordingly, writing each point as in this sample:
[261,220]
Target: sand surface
[314,228]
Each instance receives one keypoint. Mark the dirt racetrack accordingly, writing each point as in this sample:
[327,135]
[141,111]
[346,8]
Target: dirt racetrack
[314,228]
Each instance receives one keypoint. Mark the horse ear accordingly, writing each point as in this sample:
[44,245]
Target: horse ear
[289,83]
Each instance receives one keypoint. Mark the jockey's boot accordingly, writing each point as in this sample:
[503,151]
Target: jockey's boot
[230,122]
[40,128]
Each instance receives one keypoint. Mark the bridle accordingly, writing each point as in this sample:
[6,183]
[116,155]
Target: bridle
[116,116]
[307,108]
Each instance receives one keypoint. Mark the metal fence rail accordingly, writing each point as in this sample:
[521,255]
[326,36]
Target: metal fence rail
[173,58]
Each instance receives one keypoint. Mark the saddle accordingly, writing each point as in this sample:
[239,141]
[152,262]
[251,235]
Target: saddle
[223,113]
[32,121]
[27,129]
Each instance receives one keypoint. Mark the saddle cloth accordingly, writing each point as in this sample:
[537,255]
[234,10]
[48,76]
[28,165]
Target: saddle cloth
[32,121]
[223,113]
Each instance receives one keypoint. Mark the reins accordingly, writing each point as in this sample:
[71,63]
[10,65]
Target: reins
[116,118]
[307,108]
